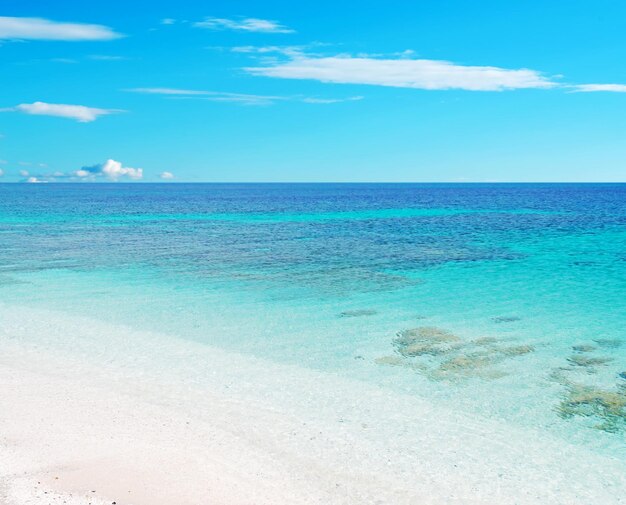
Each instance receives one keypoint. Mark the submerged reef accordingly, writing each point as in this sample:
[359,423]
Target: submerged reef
[424,340]
[587,361]
[609,343]
[609,406]
[357,313]
[606,406]
[442,355]
[584,348]
[506,319]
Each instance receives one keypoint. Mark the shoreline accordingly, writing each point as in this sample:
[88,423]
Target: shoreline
[148,419]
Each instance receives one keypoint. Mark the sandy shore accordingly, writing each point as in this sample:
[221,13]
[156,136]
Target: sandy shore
[99,413]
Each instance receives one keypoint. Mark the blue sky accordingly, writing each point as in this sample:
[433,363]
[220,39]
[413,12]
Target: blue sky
[317,91]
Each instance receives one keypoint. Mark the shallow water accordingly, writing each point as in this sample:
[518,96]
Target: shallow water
[515,294]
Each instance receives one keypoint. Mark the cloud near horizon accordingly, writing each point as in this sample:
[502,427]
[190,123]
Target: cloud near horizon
[22,28]
[166,175]
[110,169]
[243,25]
[402,73]
[80,113]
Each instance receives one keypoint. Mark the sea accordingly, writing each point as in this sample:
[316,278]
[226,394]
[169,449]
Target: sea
[506,301]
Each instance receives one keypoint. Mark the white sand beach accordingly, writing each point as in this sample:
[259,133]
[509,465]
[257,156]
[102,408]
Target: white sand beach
[95,413]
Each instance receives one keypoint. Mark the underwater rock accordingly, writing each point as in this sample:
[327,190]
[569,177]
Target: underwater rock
[425,334]
[468,366]
[516,350]
[561,376]
[389,360]
[505,319]
[609,343]
[357,313]
[622,375]
[447,357]
[425,340]
[584,348]
[587,361]
[587,401]
[485,341]
[464,363]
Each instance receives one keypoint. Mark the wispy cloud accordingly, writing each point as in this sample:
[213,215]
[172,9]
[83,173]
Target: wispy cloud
[215,96]
[45,29]
[1,172]
[169,91]
[64,60]
[168,21]
[240,98]
[402,73]
[243,25]
[166,175]
[80,113]
[331,100]
[590,88]
[285,50]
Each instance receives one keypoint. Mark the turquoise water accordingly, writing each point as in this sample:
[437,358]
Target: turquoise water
[507,301]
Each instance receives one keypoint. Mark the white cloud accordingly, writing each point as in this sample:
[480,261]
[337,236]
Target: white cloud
[166,175]
[286,50]
[34,180]
[168,21]
[24,173]
[69,61]
[246,25]
[169,91]
[403,73]
[240,98]
[1,172]
[589,88]
[255,49]
[331,100]
[110,169]
[80,113]
[45,29]
[214,96]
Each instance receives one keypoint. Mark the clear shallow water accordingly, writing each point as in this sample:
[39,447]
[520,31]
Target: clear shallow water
[516,294]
